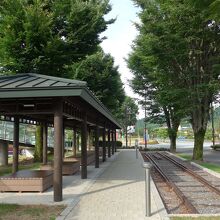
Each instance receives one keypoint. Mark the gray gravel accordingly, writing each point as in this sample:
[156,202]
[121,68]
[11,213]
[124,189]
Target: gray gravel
[201,197]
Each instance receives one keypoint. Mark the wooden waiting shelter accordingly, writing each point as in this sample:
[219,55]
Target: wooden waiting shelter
[62,103]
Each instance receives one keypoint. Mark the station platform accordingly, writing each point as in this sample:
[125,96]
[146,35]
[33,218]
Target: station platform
[116,193]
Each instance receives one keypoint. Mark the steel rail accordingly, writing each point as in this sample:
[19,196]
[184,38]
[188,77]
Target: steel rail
[191,172]
[180,195]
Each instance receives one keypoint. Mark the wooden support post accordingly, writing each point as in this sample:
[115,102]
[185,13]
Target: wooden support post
[77,142]
[112,142]
[97,147]
[15,145]
[88,138]
[104,145]
[74,142]
[109,143]
[63,150]
[58,151]
[84,148]
[115,141]
[45,143]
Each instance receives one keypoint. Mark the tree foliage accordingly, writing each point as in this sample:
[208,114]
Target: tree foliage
[211,7]
[129,112]
[177,52]
[48,36]
[103,79]
[150,63]
[53,37]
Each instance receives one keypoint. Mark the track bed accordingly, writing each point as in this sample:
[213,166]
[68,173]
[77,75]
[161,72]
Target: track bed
[184,189]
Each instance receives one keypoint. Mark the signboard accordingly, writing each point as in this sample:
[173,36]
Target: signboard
[146,135]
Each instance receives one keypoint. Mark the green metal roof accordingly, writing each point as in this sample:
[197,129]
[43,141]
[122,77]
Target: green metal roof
[31,85]
[32,80]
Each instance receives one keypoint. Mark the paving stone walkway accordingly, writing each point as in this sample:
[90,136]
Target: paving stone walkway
[117,194]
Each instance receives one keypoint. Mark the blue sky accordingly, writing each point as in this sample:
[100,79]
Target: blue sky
[120,36]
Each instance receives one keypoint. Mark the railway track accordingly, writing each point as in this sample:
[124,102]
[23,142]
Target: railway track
[196,193]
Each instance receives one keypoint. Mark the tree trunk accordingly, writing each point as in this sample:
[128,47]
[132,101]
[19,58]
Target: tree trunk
[38,153]
[173,122]
[200,117]
[198,144]
[172,137]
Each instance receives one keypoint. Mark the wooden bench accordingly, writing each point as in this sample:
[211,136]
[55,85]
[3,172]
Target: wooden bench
[27,181]
[70,167]
[90,158]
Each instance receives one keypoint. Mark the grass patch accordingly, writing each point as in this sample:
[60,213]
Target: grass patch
[195,218]
[6,208]
[185,156]
[210,166]
[29,212]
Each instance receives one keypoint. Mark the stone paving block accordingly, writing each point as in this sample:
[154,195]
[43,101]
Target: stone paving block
[117,194]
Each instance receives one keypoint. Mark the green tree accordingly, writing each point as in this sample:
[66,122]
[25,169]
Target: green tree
[181,54]
[157,100]
[25,31]
[103,79]
[150,75]
[129,112]
[47,36]
[128,117]
[162,133]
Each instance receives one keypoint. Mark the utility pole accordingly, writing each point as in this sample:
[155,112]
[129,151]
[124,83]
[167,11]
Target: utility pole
[126,127]
[129,116]
[145,125]
[127,123]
